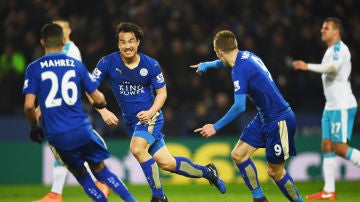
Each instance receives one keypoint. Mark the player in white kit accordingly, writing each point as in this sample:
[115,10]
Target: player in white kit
[340,108]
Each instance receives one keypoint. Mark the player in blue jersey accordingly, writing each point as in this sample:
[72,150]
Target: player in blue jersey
[272,128]
[340,108]
[57,82]
[60,172]
[139,87]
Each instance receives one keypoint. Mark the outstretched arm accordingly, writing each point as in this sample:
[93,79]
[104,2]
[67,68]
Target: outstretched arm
[319,68]
[236,109]
[203,66]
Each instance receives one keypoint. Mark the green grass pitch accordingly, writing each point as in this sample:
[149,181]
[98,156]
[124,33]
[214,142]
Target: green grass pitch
[346,192]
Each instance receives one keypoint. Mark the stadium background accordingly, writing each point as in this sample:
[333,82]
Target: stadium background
[178,33]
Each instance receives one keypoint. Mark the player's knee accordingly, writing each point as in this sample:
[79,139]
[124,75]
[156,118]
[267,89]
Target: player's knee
[136,151]
[326,145]
[237,157]
[96,167]
[167,164]
[77,172]
[276,174]
[341,149]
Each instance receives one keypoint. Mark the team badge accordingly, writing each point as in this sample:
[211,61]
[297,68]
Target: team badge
[143,72]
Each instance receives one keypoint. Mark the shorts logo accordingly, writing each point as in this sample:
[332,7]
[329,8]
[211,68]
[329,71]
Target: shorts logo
[143,72]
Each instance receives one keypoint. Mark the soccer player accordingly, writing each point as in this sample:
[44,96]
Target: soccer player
[60,172]
[272,128]
[57,81]
[139,87]
[340,107]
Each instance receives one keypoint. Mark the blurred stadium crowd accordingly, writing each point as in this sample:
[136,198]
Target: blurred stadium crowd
[179,33]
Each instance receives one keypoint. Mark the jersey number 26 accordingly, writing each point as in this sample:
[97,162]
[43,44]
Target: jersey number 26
[66,86]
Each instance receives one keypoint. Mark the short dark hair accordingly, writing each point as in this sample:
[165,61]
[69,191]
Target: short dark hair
[52,34]
[337,24]
[129,27]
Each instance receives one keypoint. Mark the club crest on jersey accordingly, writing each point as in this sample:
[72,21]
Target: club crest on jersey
[236,85]
[143,72]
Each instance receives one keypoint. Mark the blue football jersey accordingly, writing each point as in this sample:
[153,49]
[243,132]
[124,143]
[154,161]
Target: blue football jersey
[250,76]
[58,82]
[132,88]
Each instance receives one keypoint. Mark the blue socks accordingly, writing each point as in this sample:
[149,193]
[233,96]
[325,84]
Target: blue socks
[186,167]
[90,188]
[152,174]
[115,184]
[249,173]
[288,188]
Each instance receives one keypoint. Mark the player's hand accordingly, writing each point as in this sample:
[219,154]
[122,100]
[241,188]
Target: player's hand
[198,71]
[144,116]
[206,131]
[37,135]
[109,118]
[299,65]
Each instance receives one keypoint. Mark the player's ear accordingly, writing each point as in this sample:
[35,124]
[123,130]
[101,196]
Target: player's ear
[138,42]
[42,42]
[219,53]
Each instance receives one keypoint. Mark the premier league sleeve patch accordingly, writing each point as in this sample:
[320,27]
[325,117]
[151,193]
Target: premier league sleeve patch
[236,85]
[96,73]
[160,78]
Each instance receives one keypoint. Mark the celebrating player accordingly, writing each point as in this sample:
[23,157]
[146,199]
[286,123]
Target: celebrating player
[133,78]
[57,82]
[60,172]
[272,128]
[340,108]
